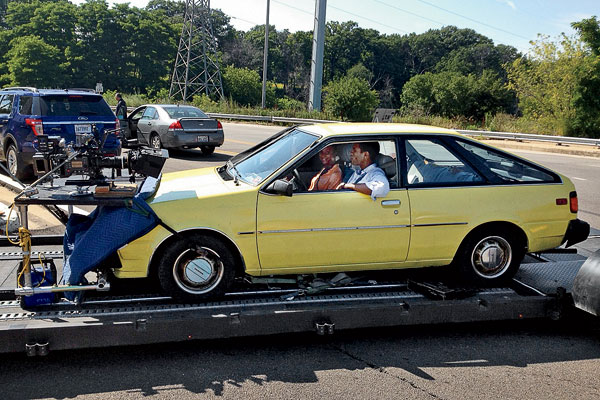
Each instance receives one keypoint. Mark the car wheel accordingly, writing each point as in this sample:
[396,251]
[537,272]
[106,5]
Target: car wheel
[14,164]
[198,268]
[155,141]
[490,258]
[207,150]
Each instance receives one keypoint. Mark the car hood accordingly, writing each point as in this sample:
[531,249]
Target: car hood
[191,184]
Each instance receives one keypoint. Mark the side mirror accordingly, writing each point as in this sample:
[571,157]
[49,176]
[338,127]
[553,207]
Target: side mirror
[282,187]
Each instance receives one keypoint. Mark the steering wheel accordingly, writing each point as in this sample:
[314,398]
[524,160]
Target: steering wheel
[300,182]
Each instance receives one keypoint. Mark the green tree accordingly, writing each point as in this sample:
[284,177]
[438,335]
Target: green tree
[586,100]
[243,85]
[33,62]
[545,81]
[350,98]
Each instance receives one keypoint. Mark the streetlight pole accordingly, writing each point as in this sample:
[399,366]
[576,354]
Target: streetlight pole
[266,56]
[316,67]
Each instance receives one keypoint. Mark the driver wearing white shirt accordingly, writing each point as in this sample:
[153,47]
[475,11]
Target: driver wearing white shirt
[370,179]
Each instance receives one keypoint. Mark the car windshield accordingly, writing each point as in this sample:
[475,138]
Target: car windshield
[73,105]
[184,112]
[258,166]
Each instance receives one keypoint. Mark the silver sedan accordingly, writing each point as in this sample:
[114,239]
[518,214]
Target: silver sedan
[174,126]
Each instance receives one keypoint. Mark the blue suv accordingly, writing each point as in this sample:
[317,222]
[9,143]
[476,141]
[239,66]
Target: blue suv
[26,112]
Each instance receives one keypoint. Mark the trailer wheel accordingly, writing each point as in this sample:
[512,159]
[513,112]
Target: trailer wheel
[490,257]
[197,268]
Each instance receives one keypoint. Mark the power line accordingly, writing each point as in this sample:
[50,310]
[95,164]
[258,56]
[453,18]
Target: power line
[295,8]
[411,13]
[472,20]
[368,19]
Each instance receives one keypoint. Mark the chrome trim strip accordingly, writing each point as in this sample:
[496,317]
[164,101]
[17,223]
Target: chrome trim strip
[348,228]
[441,224]
[77,122]
[483,186]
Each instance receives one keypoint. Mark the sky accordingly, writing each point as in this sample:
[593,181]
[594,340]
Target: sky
[511,22]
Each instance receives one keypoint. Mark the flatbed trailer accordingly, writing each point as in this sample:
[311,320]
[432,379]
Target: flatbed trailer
[541,289]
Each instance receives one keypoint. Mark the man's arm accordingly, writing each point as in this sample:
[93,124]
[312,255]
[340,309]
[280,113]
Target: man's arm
[359,187]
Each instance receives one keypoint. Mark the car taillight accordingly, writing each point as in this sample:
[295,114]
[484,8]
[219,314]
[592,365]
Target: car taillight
[175,125]
[36,126]
[219,125]
[573,203]
[117,123]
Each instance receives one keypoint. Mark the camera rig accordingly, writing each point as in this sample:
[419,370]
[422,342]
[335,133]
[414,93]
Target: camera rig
[86,157]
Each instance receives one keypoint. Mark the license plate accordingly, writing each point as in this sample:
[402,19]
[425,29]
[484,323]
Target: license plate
[83,128]
[203,138]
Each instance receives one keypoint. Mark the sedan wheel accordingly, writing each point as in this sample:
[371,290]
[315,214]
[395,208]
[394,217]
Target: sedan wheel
[196,269]
[155,141]
[207,150]
[490,257]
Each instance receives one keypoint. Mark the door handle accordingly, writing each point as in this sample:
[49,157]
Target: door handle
[149,123]
[390,203]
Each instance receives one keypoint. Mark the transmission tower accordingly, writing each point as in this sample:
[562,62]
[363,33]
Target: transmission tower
[196,68]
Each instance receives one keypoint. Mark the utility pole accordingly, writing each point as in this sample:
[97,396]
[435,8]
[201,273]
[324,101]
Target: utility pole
[265,58]
[316,67]
[196,68]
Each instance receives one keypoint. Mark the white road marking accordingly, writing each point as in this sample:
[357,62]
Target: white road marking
[579,179]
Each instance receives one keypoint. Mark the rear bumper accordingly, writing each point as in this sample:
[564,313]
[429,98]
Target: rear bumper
[577,232]
[180,139]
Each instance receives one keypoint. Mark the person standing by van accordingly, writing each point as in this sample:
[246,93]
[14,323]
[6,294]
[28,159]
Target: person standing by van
[121,111]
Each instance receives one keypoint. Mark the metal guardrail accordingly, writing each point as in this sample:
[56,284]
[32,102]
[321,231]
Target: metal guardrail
[486,134]
[528,136]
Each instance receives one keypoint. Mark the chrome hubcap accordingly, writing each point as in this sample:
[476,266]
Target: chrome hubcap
[198,270]
[156,142]
[491,257]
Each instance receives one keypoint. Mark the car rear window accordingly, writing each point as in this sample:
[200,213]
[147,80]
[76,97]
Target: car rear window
[184,112]
[73,105]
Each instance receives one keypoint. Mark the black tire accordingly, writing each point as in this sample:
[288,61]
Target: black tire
[197,268]
[154,141]
[15,165]
[207,150]
[490,257]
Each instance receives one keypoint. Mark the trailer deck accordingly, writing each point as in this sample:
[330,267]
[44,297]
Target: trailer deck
[540,290]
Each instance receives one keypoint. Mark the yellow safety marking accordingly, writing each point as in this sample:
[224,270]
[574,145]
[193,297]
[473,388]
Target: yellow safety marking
[229,153]
[239,142]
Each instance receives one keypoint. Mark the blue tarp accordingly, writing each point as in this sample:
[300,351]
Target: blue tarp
[89,240]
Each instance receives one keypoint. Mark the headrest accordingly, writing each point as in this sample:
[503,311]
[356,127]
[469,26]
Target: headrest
[387,164]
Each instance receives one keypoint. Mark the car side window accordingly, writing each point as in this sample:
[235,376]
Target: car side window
[332,165]
[6,102]
[430,162]
[149,113]
[137,115]
[25,105]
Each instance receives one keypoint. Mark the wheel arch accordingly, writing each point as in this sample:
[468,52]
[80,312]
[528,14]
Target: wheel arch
[240,266]
[516,230]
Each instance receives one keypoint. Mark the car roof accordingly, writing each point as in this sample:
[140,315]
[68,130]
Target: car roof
[346,128]
[27,90]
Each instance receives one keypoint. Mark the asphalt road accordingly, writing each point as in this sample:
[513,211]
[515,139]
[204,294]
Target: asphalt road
[515,360]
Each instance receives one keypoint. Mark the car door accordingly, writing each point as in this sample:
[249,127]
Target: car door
[132,123]
[145,124]
[332,230]
[6,102]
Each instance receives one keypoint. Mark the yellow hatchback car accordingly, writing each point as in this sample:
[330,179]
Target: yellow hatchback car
[297,204]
